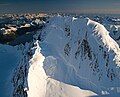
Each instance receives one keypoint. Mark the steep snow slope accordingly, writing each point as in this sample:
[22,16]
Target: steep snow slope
[40,85]
[112,24]
[70,57]
[36,76]
[114,32]
[9,57]
[81,52]
[29,78]
[59,89]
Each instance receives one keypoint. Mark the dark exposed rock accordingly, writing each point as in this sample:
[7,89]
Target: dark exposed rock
[67,49]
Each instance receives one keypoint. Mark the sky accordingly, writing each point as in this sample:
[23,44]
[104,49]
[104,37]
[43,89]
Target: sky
[72,6]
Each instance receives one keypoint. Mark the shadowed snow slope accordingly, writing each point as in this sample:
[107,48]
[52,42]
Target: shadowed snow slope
[9,57]
[70,57]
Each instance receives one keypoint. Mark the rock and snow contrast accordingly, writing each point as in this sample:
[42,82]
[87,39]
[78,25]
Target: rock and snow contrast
[114,30]
[69,57]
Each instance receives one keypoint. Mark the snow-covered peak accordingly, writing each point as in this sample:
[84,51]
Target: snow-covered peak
[69,57]
[81,45]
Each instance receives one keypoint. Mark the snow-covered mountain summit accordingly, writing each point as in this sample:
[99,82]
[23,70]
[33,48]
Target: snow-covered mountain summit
[69,57]
[82,45]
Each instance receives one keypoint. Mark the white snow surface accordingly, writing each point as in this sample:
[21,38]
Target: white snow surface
[37,76]
[40,85]
[97,71]
[76,57]
[67,59]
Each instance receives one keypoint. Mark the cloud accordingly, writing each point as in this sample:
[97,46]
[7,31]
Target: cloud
[4,4]
[116,4]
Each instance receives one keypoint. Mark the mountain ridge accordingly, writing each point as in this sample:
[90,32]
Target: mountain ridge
[68,54]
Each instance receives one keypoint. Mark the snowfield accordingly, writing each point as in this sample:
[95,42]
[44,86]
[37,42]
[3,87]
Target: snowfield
[69,57]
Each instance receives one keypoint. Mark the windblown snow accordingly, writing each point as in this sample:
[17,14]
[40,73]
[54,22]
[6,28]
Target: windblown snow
[69,57]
